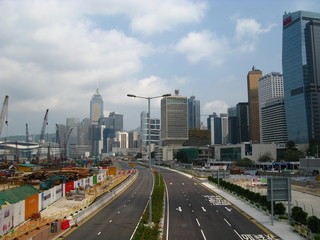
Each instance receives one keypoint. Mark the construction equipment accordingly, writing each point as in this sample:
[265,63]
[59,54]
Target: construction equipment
[52,181]
[4,113]
[43,129]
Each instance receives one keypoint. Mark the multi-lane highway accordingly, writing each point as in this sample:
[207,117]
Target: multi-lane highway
[118,219]
[197,213]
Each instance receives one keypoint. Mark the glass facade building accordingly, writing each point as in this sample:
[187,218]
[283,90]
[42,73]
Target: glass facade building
[301,69]
[96,108]
[193,112]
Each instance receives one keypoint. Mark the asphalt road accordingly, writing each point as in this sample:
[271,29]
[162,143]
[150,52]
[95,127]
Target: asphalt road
[197,213]
[118,219]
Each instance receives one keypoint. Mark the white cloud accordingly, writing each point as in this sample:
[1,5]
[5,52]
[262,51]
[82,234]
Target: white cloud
[203,45]
[247,32]
[216,106]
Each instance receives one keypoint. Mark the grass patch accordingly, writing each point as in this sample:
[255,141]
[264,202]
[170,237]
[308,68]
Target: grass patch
[144,231]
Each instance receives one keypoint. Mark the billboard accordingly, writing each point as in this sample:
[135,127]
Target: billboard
[279,189]
[6,219]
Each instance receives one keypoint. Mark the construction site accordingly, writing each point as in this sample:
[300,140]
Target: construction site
[37,174]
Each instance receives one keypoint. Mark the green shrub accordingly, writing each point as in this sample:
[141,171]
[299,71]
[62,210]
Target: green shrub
[316,237]
[299,215]
[283,217]
[313,224]
[279,208]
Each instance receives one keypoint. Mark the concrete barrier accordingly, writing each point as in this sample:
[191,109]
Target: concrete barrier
[86,212]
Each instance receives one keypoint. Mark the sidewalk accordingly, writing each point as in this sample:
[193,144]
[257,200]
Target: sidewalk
[281,229]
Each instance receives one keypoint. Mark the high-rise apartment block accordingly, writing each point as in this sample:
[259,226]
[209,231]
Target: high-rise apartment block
[253,101]
[193,112]
[301,72]
[96,108]
[273,127]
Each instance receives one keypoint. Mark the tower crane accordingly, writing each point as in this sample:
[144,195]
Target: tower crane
[43,129]
[4,113]
[67,142]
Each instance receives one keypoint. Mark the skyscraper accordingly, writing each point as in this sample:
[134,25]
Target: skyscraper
[301,73]
[253,101]
[174,118]
[96,108]
[116,121]
[243,121]
[144,130]
[193,112]
[273,127]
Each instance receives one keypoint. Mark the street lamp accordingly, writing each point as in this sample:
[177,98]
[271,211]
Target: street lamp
[149,137]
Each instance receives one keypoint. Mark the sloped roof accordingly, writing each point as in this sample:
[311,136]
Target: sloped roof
[17,194]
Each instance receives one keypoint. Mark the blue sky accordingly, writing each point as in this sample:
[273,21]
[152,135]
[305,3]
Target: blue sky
[53,54]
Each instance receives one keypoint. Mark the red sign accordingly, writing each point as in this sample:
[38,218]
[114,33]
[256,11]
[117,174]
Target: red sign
[287,20]
[69,186]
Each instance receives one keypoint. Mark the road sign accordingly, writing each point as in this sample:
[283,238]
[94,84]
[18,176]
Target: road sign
[279,189]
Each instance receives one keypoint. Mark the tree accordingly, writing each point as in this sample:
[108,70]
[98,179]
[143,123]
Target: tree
[292,155]
[313,147]
[265,157]
[313,224]
[291,145]
[180,156]
[299,215]
[139,155]
[245,162]
[279,208]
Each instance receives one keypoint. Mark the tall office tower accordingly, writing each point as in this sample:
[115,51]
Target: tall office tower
[233,126]
[174,119]
[301,73]
[273,124]
[96,108]
[133,139]
[144,130]
[232,112]
[243,121]
[215,129]
[193,112]
[73,123]
[273,127]
[224,128]
[116,121]
[84,132]
[253,101]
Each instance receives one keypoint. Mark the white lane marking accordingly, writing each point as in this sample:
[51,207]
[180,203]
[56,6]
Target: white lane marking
[171,183]
[179,209]
[182,183]
[203,209]
[204,237]
[124,205]
[198,222]
[118,212]
[229,209]
[238,234]
[99,233]
[192,210]
[217,211]
[227,222]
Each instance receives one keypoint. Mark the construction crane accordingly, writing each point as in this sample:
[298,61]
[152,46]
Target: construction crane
[43,130]
[4,113]
[67,142]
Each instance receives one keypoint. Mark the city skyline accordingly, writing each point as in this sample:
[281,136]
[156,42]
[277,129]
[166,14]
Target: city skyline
[53,54]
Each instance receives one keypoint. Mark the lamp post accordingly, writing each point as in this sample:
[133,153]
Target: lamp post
[149,143]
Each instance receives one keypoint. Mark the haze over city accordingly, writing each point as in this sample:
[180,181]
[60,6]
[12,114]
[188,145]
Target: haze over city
[54,54]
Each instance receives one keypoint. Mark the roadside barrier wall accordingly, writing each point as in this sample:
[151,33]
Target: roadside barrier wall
[103,200]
